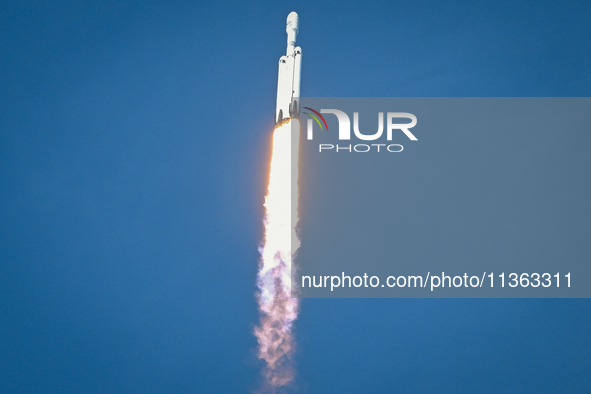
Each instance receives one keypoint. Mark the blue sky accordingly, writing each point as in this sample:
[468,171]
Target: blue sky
[134,148]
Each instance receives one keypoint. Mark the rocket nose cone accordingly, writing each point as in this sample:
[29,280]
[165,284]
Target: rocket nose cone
[293,21]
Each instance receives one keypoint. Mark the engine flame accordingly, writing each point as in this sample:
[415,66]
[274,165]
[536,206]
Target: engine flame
[278,310]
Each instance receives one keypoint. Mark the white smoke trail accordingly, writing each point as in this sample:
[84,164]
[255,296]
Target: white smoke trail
[277,309]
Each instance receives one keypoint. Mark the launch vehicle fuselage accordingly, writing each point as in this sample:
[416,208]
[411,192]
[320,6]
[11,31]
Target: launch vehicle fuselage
[288,85]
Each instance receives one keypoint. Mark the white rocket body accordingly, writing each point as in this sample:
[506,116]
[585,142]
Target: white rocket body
[288,85]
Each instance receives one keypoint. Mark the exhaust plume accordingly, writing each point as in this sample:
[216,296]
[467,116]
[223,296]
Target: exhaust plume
[278,310]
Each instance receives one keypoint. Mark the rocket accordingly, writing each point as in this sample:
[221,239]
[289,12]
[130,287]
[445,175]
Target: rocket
[288,85]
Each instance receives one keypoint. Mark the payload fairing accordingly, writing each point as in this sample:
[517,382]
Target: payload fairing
[288,85]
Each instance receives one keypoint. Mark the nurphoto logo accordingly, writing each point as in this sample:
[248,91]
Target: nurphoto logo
[345,130]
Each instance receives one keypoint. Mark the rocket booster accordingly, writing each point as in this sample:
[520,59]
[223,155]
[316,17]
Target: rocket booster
[288,85]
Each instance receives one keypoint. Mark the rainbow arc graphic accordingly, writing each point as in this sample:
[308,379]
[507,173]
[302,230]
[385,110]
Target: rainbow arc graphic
[316,118]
